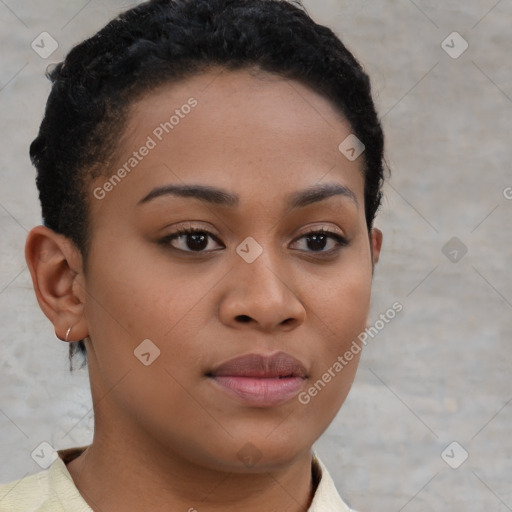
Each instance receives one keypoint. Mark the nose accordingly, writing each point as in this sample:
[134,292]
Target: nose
[261,295]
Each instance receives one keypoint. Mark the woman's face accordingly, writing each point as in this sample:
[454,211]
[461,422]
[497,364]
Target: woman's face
[165,310]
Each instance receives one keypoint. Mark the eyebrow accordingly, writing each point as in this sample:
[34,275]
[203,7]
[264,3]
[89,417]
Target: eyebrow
[214,195]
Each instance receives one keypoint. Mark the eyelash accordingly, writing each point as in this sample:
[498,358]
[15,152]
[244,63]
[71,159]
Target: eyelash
[342,241]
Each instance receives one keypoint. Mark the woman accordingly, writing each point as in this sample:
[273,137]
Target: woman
[209,173]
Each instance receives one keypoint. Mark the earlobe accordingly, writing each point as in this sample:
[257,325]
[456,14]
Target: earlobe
[55,266]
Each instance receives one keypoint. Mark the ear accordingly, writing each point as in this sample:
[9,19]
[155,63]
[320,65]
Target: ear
[55,266]
[375,245]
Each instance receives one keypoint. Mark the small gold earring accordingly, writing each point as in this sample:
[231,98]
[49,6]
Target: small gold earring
[67,333]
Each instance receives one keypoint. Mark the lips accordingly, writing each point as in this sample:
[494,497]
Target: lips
[258,365]
[260,380]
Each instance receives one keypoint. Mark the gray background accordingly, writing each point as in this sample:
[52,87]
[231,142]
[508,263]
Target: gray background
[440,371]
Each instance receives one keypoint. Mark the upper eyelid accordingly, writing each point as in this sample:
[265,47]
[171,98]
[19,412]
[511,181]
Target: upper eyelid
[327,230]
[199,229]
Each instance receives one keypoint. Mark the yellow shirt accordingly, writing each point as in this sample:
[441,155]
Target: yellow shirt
[53,489]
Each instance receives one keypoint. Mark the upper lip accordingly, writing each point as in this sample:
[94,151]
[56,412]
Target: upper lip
[280,364]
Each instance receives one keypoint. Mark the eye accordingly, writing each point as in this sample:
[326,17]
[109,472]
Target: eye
[319,239]
[190,240]
[197,240]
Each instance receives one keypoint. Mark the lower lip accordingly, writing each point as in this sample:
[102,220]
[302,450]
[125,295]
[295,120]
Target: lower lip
[261,392]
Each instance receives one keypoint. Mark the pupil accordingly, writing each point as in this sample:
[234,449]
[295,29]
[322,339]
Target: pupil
[200,241]
[318,239]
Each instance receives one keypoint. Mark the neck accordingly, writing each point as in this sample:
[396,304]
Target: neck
[115,473]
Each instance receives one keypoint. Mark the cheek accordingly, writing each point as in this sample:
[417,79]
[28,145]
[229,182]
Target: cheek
[139,295]
[131,299]
[341,315]
[342,304]
[131,303]
[349,313]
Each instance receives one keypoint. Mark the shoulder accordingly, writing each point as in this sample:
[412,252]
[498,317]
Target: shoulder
[26,493]
[326,497]
[50,490]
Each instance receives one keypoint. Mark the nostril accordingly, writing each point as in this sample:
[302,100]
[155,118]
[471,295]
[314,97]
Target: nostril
[243,318]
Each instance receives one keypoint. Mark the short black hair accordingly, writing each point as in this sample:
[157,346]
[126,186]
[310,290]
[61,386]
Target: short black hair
[168,40]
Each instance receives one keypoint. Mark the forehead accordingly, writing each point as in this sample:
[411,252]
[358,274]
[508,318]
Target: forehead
[256,134]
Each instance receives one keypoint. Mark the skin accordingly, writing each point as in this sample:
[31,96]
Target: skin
[164,433]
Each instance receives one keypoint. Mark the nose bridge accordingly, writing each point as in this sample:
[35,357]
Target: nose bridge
[262,287]
[263,262]
[264,277]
